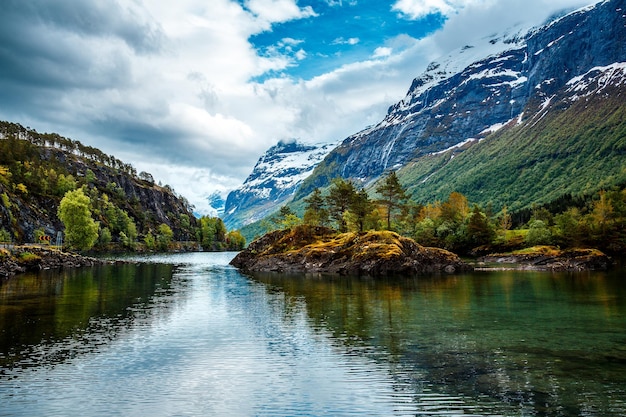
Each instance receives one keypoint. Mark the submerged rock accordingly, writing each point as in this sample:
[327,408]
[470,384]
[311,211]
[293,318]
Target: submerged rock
[322,250]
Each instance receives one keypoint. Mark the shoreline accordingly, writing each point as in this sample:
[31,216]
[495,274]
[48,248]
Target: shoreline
[16,260]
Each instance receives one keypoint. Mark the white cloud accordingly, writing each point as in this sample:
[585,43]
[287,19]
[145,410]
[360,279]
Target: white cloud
[276,11]
[420,8]
[382,51]
[344,41]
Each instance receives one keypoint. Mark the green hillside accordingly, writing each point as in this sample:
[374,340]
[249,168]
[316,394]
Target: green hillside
[576,151]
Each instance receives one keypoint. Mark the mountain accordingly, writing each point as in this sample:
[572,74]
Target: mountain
[524,89]
[568,142]
[274,179]
[36,169]
[217,203]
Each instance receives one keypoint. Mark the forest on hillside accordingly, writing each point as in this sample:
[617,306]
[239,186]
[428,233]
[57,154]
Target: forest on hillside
[49,183]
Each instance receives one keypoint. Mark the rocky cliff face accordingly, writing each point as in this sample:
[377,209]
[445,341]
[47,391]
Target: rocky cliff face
[274,179]
[479,88]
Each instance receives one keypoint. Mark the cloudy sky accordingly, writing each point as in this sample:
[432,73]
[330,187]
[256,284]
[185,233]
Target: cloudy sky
[194,91]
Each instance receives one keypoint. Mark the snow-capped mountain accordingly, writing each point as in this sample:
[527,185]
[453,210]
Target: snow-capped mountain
[274,179]
[217,203]
[479,88]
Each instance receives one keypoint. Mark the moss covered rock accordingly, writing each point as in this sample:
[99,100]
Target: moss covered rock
[322,250]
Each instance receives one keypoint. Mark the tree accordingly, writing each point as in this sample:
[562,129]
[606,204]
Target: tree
[286,218]
[602,213]
[315,212]
[393,195]
[150,241]
[105,236]
[360,208]
[538,233]
[81,230]
[455,209]
[479,231]
[235,240]
[504,224]
[341,193]
[164,236]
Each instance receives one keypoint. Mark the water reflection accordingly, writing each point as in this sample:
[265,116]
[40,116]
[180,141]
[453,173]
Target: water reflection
[74,305]
[531,341]
[188,335]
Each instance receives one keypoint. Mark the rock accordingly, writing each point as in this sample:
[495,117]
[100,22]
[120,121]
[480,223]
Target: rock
[33,258]
[321,250]
[546,258]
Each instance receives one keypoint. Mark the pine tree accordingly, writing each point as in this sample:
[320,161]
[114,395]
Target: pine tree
[393,195]
[339,198]
[315,212]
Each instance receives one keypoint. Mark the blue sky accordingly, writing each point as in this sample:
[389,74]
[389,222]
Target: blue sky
[339,33]
[194,91]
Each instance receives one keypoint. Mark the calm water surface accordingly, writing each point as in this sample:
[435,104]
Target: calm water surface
[188,335]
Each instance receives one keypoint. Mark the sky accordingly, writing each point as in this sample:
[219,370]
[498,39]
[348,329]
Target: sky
[195,91]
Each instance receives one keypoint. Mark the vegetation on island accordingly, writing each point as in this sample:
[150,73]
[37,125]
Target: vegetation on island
[51,184]
[458,225]
[317,249]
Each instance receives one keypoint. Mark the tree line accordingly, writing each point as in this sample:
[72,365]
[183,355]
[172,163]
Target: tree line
[99,210]
[83,232]
[457,224]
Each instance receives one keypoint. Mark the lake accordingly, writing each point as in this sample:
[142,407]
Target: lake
[188,335]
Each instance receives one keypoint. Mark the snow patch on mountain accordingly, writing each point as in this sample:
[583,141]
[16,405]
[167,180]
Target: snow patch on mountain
[596,80]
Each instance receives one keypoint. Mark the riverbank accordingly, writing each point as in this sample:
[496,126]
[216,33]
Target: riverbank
[18,259]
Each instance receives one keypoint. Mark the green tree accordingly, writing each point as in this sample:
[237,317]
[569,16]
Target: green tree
[315,212]
[5,236]
[286,218]
[105,236]
[341,193]
[164,236]
[570,228]
[212,233]
[65,184]
[235,240]
[149,241]
[81,230]
[505,222]
[393,195]
[538,233]
[360,208]
[479,230]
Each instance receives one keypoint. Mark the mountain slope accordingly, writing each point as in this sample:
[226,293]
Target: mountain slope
[274,179]
[445,109]
[571,143]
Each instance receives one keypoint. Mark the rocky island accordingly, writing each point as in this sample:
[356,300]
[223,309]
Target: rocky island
[322,250]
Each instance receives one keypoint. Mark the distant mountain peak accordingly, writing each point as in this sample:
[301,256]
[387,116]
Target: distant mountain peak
[275,177]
